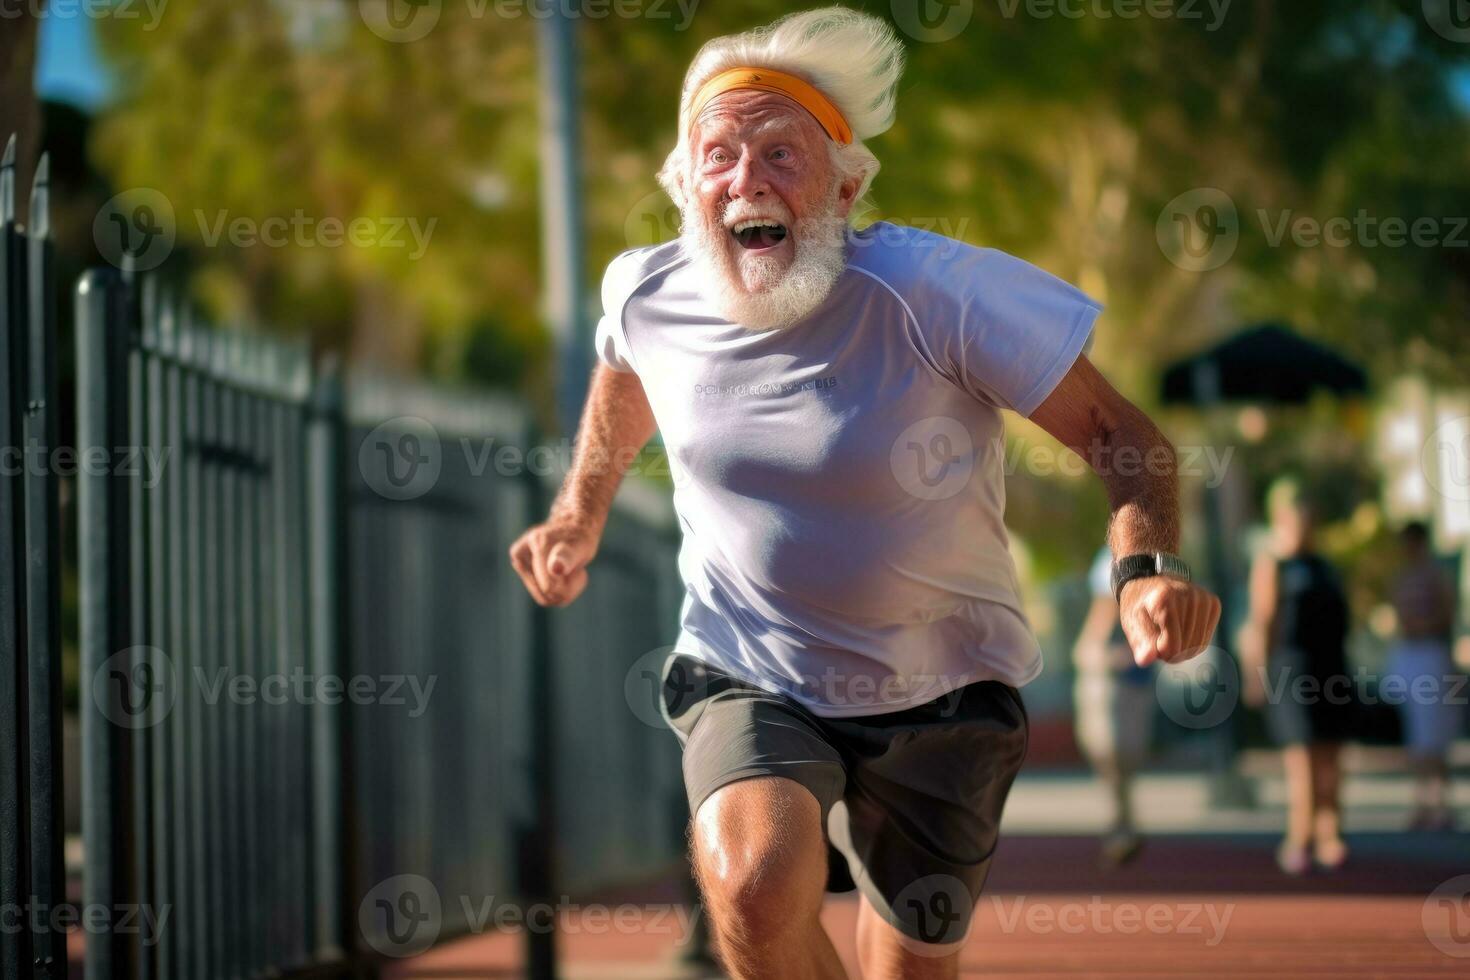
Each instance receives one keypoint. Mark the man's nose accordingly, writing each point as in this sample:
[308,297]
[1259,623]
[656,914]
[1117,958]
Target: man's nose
[749,182]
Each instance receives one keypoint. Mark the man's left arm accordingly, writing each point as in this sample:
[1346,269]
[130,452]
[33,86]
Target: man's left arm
[1164,618]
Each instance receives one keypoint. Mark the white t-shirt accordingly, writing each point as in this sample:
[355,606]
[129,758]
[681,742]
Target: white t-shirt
[840,482]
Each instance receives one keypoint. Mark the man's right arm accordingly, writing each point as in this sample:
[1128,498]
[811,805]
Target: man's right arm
[551,558]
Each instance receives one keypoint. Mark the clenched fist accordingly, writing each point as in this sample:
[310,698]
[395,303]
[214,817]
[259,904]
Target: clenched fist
[552,558]
[1167,619]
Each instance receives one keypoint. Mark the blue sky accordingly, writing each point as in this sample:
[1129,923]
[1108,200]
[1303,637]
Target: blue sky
[68,65]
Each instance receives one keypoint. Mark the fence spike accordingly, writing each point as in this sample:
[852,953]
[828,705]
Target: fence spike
[148,300]
[265,364]
[39,225]
[219,349]
[200,343]
[167,322]
[7,182]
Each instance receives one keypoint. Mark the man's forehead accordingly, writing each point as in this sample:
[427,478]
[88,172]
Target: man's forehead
[750,113]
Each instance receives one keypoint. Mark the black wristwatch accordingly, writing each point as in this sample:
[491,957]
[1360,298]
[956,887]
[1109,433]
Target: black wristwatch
[1130,567]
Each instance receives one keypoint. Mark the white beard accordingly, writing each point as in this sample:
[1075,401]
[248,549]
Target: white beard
[776,299]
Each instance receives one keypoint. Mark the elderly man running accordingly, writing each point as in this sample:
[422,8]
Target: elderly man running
[831,402]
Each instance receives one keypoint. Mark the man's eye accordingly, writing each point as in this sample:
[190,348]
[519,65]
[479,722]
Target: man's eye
[781,155]
[719,157]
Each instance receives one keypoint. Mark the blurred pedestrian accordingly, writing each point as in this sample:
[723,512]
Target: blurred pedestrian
[1294,651]
[1421,670]
[1115,705]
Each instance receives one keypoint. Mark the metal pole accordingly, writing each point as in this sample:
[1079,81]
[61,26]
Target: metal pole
[536,851]
[330,761]
[561,210]
[15,951]
[43,587]
[102,517]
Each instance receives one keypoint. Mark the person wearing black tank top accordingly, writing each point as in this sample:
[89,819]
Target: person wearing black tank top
[1294,652]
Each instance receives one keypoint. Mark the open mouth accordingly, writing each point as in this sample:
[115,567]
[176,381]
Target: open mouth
[759,233]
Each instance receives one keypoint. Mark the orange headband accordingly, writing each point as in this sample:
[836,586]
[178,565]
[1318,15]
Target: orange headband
[767,80]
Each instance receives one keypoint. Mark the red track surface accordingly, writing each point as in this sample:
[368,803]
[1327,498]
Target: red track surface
[1190,906]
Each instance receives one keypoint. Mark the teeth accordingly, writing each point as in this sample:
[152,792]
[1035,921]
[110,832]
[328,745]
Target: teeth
[755,223]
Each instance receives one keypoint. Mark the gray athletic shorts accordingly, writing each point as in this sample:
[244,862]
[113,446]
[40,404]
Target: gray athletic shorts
[911,801]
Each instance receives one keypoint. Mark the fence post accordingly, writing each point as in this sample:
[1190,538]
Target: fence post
[43,587]
[15,947]
[536,846]
[330,759]
[102,509]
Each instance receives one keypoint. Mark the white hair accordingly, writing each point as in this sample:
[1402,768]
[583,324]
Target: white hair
[852,57]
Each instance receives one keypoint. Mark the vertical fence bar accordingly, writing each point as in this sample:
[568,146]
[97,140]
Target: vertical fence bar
[102,343]
[298,731]
[287,536]
[330,765]
[43,588]
[226,711]
[195,925]
[161,407]
[15,946]
[249,620]
[211,652]
[139,302]
[537,851]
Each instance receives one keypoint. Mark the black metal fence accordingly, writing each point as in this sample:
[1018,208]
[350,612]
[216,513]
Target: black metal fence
[32,880]
[311,688]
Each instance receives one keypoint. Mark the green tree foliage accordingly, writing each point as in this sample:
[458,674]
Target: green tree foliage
[1061,138]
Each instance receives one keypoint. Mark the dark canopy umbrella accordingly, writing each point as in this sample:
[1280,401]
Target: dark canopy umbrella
[1264,363]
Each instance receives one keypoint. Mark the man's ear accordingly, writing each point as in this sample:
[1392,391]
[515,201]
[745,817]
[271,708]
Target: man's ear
[847,195]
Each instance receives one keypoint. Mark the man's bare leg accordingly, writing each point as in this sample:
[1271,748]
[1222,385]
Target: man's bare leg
[761,860]
[887,954]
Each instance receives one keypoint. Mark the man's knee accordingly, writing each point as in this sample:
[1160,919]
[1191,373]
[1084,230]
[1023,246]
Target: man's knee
[760,855]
